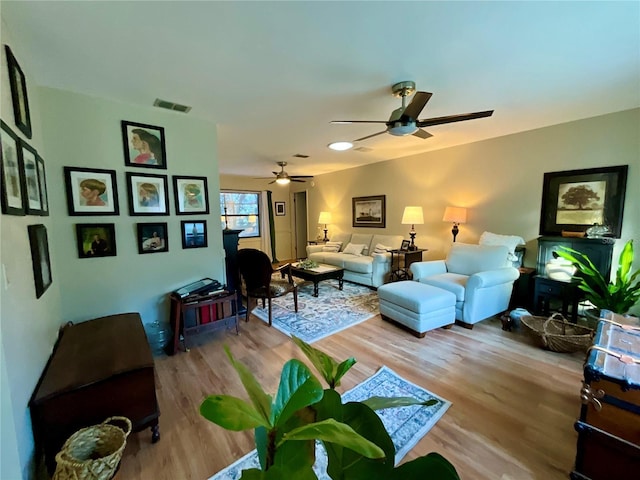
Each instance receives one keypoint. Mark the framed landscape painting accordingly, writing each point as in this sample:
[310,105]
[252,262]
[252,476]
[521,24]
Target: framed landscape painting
[91,191]
[369,211]
[143,145]
[13,195]
[575,200]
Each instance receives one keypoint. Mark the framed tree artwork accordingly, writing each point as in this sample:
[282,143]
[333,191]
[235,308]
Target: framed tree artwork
[143,145]
[147,194]
[191,195]
[96,240]
[40,258]
[369,211]
[91,191]
[19,98]
[13,194]
[575,200]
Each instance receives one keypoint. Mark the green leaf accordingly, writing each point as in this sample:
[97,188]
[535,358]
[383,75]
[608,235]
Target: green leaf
[261,439]
[332,431]
[231,413]
[253,474]
[432,466]
[261,401]
[325,364]
[378,403]
[298,389]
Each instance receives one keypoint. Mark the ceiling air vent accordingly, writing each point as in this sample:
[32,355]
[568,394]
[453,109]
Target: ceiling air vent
[300,155]
[171,106]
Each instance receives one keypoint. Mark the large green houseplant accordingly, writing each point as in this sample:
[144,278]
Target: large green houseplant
[619,296]
[287,426]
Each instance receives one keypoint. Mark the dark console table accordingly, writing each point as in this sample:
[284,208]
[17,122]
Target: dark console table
[98,369]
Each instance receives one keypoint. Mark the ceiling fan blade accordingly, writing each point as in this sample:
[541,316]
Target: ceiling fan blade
[272,182]
[341,122]
[296,180]
[412,111]
[428,122]
[422,134]
[300,176]
[369,136]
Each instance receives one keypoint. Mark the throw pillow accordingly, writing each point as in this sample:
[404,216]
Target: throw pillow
[333,247]
[354,249]
[381,248]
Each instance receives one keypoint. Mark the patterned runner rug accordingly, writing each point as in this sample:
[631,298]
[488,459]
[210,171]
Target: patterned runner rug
[332,311]
[406,425]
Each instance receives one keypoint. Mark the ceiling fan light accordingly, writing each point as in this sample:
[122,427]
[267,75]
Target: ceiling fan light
[340,146]
[400,130]
[282,181]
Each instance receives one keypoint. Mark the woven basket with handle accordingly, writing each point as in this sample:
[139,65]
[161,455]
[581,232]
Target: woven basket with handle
[558,334]
[93,453]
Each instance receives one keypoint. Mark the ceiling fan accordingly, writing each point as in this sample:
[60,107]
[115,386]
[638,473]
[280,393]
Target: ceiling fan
[282,177]
[404,120]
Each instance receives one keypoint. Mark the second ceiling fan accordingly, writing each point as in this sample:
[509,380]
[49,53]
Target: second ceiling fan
[283,177]
[404,120]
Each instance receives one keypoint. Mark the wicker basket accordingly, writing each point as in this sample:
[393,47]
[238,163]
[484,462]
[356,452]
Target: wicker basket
[93,453]
[557,334]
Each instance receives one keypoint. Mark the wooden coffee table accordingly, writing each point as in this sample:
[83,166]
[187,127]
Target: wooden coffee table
[318,274]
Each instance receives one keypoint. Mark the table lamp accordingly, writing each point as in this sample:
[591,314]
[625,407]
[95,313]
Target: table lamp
[457,215]
[325,217]
[412,216]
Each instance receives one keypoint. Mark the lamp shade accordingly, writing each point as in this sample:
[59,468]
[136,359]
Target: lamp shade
[325,217]
[455,215]
[412,216]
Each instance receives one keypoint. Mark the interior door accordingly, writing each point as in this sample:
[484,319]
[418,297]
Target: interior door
[300,220]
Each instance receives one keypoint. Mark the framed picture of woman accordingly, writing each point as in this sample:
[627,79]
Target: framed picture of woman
[152,237]
[147,194]
[143,145]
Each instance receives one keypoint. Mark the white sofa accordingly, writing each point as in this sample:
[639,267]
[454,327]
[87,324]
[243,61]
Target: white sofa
[480,276]
[369,268]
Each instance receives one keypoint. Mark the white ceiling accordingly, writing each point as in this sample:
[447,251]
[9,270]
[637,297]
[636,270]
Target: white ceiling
[272,75]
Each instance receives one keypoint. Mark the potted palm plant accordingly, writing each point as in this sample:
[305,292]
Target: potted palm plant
[287,426]
[619,296]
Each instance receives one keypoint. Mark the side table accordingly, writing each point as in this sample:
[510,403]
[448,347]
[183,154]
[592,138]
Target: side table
[523,289]
[547,289]
[399,269]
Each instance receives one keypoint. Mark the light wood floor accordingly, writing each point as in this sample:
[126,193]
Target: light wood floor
[512,416]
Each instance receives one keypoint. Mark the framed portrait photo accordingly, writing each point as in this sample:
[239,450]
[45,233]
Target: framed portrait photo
[91,191]
[574,200]
[42,178]
[143,145]
[13,193]
[369,211]
[19,98]
[405,246]
[152,237]
[147,194]
[40,258]
[29,164]
[280,209]
[194,233]
[96,240]
[191,195]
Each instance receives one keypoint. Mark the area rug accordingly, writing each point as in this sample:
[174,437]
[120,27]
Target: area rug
[406,425]
[318,317]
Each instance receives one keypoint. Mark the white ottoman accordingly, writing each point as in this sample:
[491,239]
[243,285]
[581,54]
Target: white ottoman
[417,306]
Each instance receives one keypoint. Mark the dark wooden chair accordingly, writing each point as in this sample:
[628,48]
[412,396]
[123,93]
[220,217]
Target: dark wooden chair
[257,272]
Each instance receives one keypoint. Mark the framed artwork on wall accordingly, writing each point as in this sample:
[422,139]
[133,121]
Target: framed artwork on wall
[91,191]
[194,233]
[369,211]
[96,240]
[147,194]
[19,98]
[280,209]
[143,145]
[42,178]
[153,237]
[575,200]
[40,258]
[29,163]
[13,195]
[191,195]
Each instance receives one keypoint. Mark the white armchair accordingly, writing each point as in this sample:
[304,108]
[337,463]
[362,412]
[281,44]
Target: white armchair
[480,276]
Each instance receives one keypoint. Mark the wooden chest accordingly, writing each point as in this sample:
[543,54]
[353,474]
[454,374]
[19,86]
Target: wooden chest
[609,425]
[98,369]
